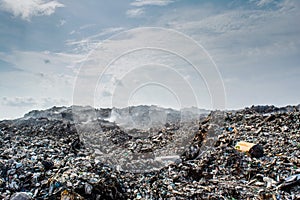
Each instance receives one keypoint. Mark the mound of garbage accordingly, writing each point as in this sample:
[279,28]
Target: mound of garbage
[253,153]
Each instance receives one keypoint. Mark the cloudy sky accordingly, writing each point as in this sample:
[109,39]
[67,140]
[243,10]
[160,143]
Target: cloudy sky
[100,53]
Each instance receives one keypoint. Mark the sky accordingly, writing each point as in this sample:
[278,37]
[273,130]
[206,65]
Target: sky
[173,53]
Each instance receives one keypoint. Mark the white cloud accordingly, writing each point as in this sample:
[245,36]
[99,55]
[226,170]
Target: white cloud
[42,62]
[139,3]
[247,43]
[39,84]
[72,32]
[85,45]
[48,102]
[32,101]
[135,12]
[107,31]
[288,6]
[261,3]
[18,101]
[24,91]
[29,8]
[17,106]
[241,32]
[86,26]
[140,67]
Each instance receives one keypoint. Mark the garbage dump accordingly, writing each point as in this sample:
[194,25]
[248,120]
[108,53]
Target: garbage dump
[253,153]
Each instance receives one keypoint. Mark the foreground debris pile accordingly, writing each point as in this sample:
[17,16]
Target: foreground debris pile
[43,158]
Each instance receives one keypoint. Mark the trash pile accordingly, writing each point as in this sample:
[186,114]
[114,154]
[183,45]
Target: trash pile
[252,153]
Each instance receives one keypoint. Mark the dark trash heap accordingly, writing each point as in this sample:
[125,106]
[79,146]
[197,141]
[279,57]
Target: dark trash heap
[44,158]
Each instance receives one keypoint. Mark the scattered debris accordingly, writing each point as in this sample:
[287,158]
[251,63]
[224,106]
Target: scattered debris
[256,151]
[43,157]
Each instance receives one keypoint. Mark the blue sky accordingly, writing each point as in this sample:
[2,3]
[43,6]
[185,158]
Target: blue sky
[44,45]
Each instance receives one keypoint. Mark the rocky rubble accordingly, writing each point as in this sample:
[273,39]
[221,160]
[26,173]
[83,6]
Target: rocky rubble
[42,156]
